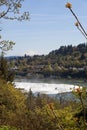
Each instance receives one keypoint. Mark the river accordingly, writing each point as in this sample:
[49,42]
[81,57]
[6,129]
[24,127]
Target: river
[45,86]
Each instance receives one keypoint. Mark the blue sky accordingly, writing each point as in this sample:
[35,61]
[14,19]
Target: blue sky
[51,25]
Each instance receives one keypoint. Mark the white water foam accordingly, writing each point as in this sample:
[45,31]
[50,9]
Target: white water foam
[45,88]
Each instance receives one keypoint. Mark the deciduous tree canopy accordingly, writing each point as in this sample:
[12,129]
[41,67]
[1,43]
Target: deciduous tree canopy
[10,9]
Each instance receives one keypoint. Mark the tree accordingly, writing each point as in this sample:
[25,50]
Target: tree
[5,71]
[6,46]
[81,113]
[3,67]
[12,106]
[30,100]
[10,9]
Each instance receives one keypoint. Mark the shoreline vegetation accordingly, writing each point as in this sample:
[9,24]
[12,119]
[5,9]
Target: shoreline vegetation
[69,62]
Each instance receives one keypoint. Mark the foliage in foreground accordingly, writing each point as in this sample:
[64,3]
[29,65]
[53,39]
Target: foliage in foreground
[7,128]
[20,111]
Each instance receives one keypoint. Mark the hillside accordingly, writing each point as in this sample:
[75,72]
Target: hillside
[67,62]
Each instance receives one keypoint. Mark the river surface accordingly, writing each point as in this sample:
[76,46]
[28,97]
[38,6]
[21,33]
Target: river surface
[46,86]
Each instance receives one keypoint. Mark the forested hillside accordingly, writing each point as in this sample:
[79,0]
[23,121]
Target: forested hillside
[67,62]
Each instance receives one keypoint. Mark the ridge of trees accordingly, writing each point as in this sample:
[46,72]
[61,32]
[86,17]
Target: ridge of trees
[65,50]
[67,61]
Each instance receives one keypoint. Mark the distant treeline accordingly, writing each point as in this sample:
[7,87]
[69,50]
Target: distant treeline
[67,61]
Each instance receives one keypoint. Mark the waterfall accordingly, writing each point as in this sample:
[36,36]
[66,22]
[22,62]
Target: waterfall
[45,88]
